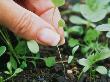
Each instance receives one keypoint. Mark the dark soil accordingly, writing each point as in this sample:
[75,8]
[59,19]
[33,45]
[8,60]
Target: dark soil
[41,73]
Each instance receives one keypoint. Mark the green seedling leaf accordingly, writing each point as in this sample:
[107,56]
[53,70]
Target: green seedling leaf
[23,65]
[91,35]
[9,66]
[103,3]
[50,61]
[108,35]
[103,27]
[85,49]
[18,70]
[104,54]
[108,9]
[61,23]
[21,48]
[92,4]
[76,30]
[83,62]
[77,20]
[33,46]
[76,8]
[101,70]
[13,62]
[109,73]
[93,15]
[70,59]
[108,20]
[73,42]
[92,59]
[75,49]
[58,3]
[34,63]
[85,69]
[6,72]
[66,34]
[1,79]
[2,50]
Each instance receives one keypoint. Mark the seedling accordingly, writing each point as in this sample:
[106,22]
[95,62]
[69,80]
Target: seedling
[11,72]
[73,52]
[92,59]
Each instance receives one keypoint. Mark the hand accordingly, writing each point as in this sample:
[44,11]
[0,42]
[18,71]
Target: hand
[32,20]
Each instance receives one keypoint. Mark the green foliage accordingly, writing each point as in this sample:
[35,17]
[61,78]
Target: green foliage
[75,49]
[80,21]
[83,62]
[91,35]
[2,50]
[23,65]
[61,23]
[94,10]
[92,4]
[70,58]
[95,57]
[76,30]
[101,70]
[108,20]
[58,3]
[77,20]
[9,67]
[76,8]
[33,46]
[73,42]
[108,35]
[12,72]
[50,61]
[91,15]
[13,62]
[21,48]
[103,27]
[18,70]
[109,73]
[85,49]
[1,79]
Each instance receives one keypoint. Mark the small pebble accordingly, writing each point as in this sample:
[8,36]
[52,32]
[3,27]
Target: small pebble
[69,71]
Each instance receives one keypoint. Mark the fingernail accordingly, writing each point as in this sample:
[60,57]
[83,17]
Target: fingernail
[48,36]
[62,42]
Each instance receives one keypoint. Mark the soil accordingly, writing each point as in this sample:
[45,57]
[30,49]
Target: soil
[41,73]
[56,74]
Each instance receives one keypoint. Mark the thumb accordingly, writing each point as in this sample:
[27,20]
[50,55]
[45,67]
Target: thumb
[27,24]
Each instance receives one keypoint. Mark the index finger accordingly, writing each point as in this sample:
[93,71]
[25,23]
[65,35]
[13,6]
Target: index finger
[45,9]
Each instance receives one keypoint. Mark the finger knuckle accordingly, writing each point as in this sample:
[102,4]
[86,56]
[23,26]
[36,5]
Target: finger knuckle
[23,23]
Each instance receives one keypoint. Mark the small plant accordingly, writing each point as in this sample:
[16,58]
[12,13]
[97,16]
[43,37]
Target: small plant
[86,31]
[73,53]
[10,71]
[93,59]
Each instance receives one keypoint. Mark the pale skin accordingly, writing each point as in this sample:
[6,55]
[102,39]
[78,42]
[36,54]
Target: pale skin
[32,20]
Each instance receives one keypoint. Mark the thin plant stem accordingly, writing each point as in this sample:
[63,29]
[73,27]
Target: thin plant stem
[91,74]
[62,61]
[9,78]
[52,22]
[80,75]
[5,36]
